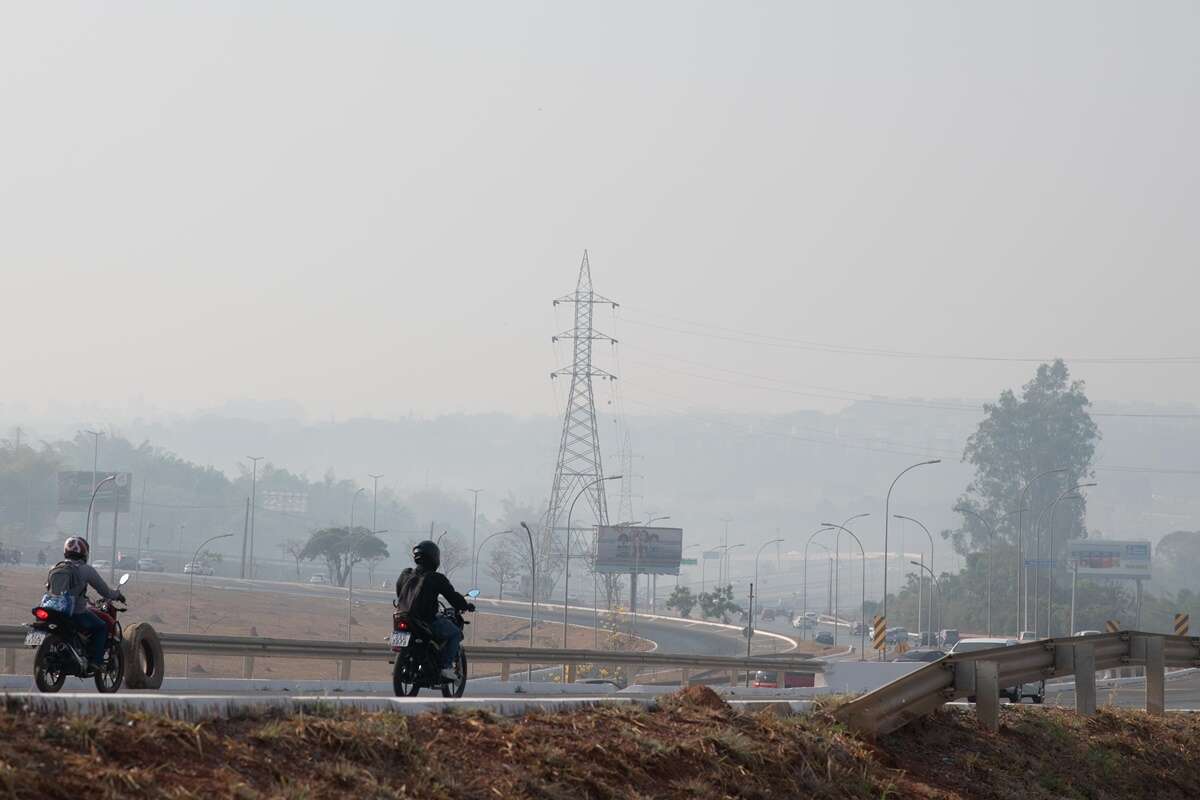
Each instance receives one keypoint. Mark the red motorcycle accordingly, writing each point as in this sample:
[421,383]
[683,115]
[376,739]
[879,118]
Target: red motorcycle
[62,647]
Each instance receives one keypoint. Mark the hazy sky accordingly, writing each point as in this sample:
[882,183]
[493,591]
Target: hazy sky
[368,207]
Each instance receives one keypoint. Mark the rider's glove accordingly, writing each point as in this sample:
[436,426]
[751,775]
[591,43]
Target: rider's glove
[120,598]
[470,606]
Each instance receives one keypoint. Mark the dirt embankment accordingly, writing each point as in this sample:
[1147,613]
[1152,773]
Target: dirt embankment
[691,746]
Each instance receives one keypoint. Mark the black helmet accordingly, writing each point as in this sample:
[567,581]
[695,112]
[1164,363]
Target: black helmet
[426,554]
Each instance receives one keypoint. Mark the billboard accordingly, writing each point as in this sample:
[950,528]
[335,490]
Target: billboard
[287,502]
[1110,558]
[75,491]
[627,548]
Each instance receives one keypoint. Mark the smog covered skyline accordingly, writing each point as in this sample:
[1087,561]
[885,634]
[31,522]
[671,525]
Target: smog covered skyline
[797,207]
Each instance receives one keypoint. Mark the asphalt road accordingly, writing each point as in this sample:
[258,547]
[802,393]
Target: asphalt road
[670,636]
[1183,693]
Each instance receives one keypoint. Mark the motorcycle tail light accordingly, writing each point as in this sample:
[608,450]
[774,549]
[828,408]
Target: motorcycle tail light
[401,625]
[41,614]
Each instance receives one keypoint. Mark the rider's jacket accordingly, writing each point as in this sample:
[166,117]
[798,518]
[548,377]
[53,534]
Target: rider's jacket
[417,591]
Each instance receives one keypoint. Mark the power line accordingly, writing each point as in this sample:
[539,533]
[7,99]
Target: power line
[750,337]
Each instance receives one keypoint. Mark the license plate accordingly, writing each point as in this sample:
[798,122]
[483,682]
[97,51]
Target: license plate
[400,639]
[34,638]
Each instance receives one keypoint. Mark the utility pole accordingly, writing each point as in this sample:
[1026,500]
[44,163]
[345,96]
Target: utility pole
[95,461]
[375,503]
[579,463]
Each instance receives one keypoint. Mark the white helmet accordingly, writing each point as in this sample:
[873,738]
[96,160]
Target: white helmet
[76,548]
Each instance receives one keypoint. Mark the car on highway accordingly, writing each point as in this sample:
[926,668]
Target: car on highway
[947,637]
[101,564]
[318,578]
[197,568]
[791,680]
[768,615]
[1028,636]
[824,637]
[896,635]
[1087,633]
[803,624]
[150,565]
[860,628]
[1035,691]
[921,654]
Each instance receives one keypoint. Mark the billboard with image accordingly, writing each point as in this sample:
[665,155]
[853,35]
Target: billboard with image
[75,491]
[629,548]
[1110,558]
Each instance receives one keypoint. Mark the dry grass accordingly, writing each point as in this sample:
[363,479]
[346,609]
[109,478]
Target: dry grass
[691,746]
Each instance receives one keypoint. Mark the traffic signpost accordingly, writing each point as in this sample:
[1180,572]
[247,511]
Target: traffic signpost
[1182,621]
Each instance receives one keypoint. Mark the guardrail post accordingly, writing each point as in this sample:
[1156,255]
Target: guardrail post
[10,661]
[248,666]
[685,676]
[733,677]
[1085,679]
[505,670]
[344,670]
[987,695]
[570,673]
[1155,675]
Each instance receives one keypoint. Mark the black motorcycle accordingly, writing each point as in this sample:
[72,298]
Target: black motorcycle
[417,650]
[62,647]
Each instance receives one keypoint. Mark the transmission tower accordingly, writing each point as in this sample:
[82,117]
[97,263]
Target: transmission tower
[579,461]
[625,498]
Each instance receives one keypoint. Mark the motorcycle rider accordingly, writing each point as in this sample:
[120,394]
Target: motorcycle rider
[417,591]
[75,557]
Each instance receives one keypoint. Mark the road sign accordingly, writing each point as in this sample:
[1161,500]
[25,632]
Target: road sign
[879,633]
[1041,562]
[1181,624]
[75,491]
[1110,558]
[628,548]
[1112,626]
[688,562]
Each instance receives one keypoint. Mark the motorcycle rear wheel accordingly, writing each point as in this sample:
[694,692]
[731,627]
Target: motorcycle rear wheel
[457,688]
[109,680]
[403,682]
[48,681]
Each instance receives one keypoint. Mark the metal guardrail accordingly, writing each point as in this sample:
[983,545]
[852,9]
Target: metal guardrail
[984,673]
[249,647]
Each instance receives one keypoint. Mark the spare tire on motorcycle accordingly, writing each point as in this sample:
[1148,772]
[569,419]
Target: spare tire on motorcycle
[144,663]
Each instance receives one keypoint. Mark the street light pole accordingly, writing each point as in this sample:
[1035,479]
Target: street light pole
[1070,494]
[932,583]
[474,528]
[862,643]
[1021,542]
[192,580]
[887,504]
[91,505]
[350,565]
[475,567]
[931,569]
[837,569]
[567,560]
[756,555]
[532,589]
[95,463]
[822,529]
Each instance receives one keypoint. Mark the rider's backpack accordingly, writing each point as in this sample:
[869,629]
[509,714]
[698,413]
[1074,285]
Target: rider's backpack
[64,585]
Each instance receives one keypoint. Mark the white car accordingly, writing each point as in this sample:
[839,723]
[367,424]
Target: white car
[318,578]
[1034,691]
[197,568]
[151,565]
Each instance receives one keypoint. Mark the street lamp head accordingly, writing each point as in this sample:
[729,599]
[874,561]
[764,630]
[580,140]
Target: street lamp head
[934,461]
[526,527]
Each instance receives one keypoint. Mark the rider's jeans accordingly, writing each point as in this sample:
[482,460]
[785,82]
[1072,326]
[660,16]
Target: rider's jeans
[97,632]
[451,637]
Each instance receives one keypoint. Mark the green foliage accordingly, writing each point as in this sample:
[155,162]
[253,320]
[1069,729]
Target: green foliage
[341,549]
[28,488]
[682,600]
[718,604]
[1047,427]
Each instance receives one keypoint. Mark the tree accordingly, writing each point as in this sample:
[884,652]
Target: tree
[341,549]
[295,549]
[372,563]
[682,600]
[1177,559]
[718,604]
[504,565]
[1047,428]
